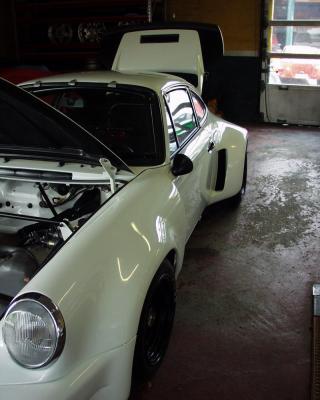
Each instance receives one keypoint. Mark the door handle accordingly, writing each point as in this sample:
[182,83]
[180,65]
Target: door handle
[211,145]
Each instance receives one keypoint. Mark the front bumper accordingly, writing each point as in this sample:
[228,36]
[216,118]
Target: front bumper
[105,377]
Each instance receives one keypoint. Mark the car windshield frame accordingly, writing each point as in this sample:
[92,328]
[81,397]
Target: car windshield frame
[48,132]
[150,97]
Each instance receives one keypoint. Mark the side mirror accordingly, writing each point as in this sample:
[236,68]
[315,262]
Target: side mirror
[181,165]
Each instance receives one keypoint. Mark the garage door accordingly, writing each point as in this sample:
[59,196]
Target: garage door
[291,62]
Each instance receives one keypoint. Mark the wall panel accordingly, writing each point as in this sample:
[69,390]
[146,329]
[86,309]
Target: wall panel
[239,19]
[235,80]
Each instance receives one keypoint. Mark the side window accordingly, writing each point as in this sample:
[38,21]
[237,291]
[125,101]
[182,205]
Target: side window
[172,137]
[182,113]
[199,106]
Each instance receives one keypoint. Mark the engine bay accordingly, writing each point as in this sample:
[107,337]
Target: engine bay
[36,218]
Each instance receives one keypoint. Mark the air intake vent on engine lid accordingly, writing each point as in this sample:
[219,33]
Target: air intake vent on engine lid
[169,38]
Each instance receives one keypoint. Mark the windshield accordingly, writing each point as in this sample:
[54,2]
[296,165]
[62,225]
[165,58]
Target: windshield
[30,127]
[123,119]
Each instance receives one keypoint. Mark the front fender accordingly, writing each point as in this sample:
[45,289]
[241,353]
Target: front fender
[100,277]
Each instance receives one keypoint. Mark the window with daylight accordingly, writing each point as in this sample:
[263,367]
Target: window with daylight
[294,42]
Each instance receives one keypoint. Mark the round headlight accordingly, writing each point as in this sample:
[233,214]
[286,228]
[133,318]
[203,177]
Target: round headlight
[33,330]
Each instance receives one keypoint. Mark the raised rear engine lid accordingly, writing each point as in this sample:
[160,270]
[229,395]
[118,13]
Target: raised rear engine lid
[185,49]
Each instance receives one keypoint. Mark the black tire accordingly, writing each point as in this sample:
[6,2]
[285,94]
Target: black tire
[236,200]
[155,324]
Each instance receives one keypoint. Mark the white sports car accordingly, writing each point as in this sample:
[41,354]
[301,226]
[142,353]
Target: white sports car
[95,216]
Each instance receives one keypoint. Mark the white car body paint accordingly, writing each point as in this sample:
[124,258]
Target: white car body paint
[185,54]
[100,277]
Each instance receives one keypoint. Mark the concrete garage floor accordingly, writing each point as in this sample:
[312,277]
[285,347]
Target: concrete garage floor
[243,321]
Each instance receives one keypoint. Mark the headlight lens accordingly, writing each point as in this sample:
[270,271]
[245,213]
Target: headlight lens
[33,330]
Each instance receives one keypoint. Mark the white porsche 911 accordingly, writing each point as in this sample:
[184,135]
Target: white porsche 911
[95,215]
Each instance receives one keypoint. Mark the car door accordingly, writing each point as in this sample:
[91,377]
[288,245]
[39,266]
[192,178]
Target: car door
[190,135]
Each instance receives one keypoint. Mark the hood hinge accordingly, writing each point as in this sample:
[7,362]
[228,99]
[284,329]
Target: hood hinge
[111,172]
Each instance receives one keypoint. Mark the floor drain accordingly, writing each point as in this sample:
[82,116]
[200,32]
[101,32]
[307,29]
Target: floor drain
[316,344]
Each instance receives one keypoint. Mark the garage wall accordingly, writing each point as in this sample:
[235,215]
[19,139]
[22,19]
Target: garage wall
[235,80]
[239,19]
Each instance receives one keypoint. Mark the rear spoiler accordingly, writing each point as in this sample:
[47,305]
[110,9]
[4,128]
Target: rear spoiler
[210,35]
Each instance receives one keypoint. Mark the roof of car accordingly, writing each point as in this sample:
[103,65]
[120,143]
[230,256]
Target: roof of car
[152,80]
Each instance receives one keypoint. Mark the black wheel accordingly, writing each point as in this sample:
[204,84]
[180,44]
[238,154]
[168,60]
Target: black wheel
[155,323]
[235,200]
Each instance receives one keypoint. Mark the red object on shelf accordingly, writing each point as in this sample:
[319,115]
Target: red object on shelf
[21,74]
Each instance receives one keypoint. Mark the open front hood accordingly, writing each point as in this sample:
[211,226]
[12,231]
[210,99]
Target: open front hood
[185,49]
[31,129]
